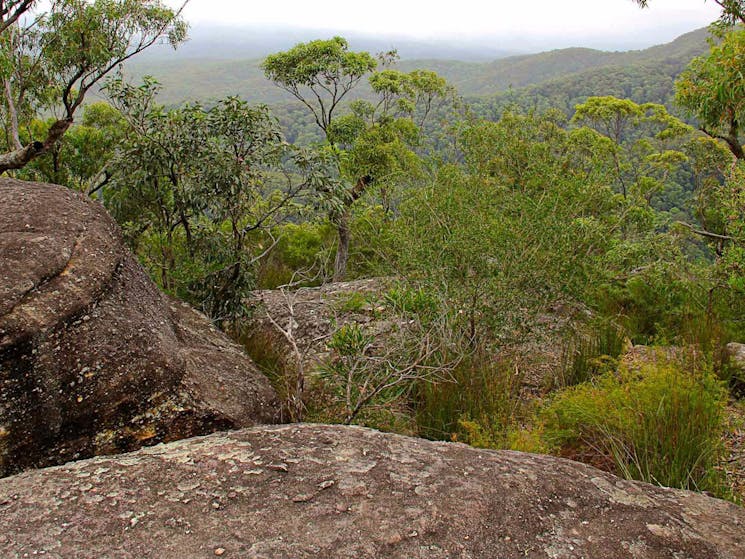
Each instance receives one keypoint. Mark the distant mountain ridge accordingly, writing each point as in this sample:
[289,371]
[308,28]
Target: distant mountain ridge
[642,76]
[204,79]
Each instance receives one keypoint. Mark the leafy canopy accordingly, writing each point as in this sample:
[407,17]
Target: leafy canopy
[712,89]
[325,69]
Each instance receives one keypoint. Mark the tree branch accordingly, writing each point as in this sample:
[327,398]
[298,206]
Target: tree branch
[19,158]
[707,234]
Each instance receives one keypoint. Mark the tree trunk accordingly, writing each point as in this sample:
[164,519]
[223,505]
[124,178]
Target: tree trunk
[343,228]
[19,158]
[342,250]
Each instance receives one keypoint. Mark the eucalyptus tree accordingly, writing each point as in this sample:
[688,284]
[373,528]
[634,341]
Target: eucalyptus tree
[373,142]
[641,135]
[199,192]
[712,89]
[49,63]
[319,74]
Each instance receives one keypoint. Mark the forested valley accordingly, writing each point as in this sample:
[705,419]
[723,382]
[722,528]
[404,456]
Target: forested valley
[544,253]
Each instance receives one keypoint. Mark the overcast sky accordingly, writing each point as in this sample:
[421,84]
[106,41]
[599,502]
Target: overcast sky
[448,19]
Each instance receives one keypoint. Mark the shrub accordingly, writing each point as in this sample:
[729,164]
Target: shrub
[368,375]
[656,423]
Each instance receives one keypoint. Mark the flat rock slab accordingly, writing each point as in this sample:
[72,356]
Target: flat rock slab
[302,491]
[93,358]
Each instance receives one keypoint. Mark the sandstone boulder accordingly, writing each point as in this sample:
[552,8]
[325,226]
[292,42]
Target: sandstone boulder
[303,491]
[93,358]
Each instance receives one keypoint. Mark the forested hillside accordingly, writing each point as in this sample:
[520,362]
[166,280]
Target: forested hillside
[643,76]
[542,253]
[208,79]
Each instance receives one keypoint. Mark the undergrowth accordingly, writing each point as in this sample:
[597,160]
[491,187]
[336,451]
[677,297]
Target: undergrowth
[658,423]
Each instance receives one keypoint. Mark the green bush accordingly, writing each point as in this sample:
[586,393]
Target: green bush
[656,423]
[301,247]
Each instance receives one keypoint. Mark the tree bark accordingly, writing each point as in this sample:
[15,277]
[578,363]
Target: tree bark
[13,114]
[343,228]
[342,250]
[19,158]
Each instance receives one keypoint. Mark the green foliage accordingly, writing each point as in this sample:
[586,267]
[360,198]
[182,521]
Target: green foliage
[316,70]
[79,160]
[712,90]
[266,351]
[732,263]
[215,182]
[353,302]
[480,405]
[589,353]
[302,248]
[641,136]
[524,227]
[368,376]
[51,64]
[373,145]
[411,301]
[657,423]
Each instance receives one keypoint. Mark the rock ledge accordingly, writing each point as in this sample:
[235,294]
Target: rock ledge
[305,491]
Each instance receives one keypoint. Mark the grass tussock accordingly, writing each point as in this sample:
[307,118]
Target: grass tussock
[480,406]
[658,423]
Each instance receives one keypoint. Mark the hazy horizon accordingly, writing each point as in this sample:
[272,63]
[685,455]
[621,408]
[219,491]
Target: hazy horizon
[219,42]
[540,25]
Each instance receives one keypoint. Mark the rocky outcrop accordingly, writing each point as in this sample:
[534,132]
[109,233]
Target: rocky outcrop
[313,314]
[93,358]
[305,491]
[316,312]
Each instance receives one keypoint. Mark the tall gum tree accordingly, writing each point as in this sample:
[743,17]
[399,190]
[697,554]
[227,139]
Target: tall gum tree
[320,74]
[50,62]
[373,141]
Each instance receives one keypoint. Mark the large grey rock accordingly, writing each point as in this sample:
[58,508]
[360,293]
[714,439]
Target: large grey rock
[93,358]
[304,491]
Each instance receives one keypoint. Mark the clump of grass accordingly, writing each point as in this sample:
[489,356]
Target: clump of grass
[265,349]
[657,423]
[479,406]
[408,300]
[354,302]
[588,353]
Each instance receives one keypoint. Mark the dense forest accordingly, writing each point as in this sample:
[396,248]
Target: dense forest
[593,199]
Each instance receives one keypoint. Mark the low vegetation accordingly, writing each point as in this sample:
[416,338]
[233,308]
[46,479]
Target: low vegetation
[485,216]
